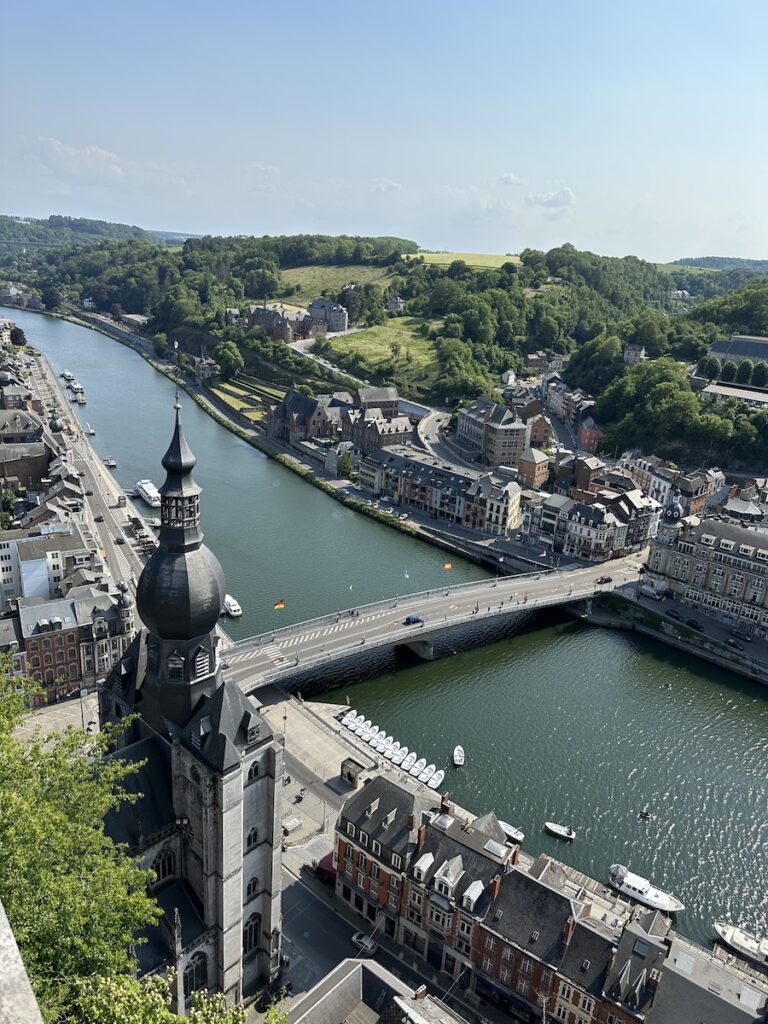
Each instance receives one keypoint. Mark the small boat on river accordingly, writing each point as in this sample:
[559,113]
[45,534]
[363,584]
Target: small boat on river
[357,720]
[366,734]
[418,767]
[110,463]
[376,737]
[231,607]
[391,751]
[561,831]
[400,756]
[147,491]
[640,889]
[511,832]
[458,756]
[745,944]
[436,780]
[363,727]
[410,761]
[89,430]
[350,716]
[383,745]
[428,772]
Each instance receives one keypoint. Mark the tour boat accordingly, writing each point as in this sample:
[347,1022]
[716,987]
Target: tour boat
[383,745]
[80,398]
[745,944]
[640,889]
[231,607]
[89,430]
[67,376]
[419,767]
[147,491]
[436,780]
[458,756]
[374,738]
[110,463]
[428,772]
[410,761]
[561,831]
[511,832]
[400,756]
[75,387]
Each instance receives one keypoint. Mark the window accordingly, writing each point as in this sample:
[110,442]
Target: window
[251,933]
[393,900]
[376,847]
[465,928]
[612,1019]
[561,1012]
[363,838]
[586,1004]
[253,771]
[507,954]
[505,976]
[253,888]
[527,965]
[252,840]
[490,942]
[566,991]
[396,862]
[360,879]
[462,946]
[164,864]
[487,965]
[546,979]
[175,667]
[350,829]
[439,917]
[196,974]
[202,663]
[522,986]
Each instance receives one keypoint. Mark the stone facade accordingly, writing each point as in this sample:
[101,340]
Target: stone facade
[492,433]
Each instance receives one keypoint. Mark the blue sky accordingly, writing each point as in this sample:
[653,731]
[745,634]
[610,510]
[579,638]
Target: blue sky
[485,126]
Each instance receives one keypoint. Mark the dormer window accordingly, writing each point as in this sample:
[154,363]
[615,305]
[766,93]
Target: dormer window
[350,829]
[363,838]
[175,668]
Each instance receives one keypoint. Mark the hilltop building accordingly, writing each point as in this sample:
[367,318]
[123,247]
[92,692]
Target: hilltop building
[207,820]
[331,315]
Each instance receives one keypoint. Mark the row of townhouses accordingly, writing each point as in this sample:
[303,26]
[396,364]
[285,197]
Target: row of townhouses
[530,936]
[659,480]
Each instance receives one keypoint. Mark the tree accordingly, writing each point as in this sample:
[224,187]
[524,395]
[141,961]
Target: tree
[728,372]
[711,368]
[305,389]
[74,899]
[116,311]
[395,348]
[228,356]
[124,1000]
[17,336]
[51,298]
[345,466]
[744,371]
[760,374]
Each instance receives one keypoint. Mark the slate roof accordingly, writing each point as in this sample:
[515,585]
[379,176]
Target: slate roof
[586,959]
[10,632]
[490,412]
[39,547]
[154,810]
[370,396]
[530,906]
[382,797]
[534,455]
[15,421]
[740,346]
[218,729]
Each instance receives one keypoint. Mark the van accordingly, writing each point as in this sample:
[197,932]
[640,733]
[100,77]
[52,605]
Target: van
[648,591]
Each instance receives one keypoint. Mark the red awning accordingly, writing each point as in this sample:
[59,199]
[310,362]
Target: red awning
[325,868]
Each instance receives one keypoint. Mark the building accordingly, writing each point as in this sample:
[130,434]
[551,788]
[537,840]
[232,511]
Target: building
[634,354]
[45,564]
[533,469]
[207,818]
[369,430]
[740,347]
[417,480]
[395,305]
[6,326]
[536,360]
[297,417]
[590,435]
[279,323]
[17,426]
[660,480]
[757,398]
[331,315]
[542,434]
[231,316]
[491,433]
[89,304]
[205,369]
[385,400]
[715,565]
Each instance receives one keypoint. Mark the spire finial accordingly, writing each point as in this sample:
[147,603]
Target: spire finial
[177,403]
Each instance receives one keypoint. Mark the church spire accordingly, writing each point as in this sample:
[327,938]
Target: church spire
[179,495]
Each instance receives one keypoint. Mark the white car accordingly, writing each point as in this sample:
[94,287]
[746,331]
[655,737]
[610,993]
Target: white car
[364,943]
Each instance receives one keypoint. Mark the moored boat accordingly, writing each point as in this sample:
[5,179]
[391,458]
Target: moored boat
[418,767]
[428,772]
[745,944]
[436,780]
[366,734]
[458,756]
[391,751]
[400,756]
[376,737]
[147,491]
[384,744]
[89,430]
[356,721]
[410,761]
[80,398]
[561,831]
[511,832]
[363,727]
[640,889]
[110,463]
[350,716]
[231,607]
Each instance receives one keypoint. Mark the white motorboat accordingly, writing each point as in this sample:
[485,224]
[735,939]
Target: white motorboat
[640,889]
[561,831]
[66,375]
[366,734]
[110,463]
[745,944]
[363,727]
[418,767]
[376,737]
[391,751]
[458,756]
[436,780]
[89,430]
[410,761]
[231,607]
[147,491]
[511,832]
[384,744]
[400,756]
[428,772]
[79,398]
[357,720]
[350,716]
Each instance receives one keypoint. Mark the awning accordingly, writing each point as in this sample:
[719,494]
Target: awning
[325,868]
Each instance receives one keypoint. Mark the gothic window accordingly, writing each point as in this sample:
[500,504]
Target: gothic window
[253,772]
[175,667]
[196,974]
[251,933]
[164,864]
[252,840]
[253,888]
[202,663]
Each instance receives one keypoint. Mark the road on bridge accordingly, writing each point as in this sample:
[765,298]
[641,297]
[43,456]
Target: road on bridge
[310,644]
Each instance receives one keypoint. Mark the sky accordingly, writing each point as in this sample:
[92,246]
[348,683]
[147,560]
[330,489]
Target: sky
[485,126]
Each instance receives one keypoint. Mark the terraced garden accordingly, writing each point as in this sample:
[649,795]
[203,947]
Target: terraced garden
[248,395]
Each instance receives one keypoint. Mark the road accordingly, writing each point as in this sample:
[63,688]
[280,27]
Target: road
[271,656]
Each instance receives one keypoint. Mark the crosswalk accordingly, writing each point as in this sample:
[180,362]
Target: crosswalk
[274,650]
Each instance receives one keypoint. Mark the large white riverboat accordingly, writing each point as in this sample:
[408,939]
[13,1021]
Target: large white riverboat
[147,491]
[640,889]
[750,946]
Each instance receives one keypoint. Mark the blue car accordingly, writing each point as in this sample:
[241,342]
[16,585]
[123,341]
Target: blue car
[413,620]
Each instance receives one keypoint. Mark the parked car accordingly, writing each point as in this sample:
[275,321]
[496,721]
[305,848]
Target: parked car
[413,620]
[364,943]
[693,624]
[604,579]
[98,519]
[403,515]
[672,614]
[741,634]
[89,494]
[734,644]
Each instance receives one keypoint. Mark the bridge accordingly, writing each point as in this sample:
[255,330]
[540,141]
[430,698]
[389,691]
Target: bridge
[282,655]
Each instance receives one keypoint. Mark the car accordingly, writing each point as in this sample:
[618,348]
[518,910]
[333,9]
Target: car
[119,540]
[730,642]
[518,536]
[98,519]
[413,620]
[741,635]
[89,494]
[672,614]
[604,579]
[693,624]
[403,515]
[80,473]
[364,943]
[345,490]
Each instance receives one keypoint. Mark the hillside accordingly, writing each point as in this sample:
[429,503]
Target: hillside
[743,311]
[303,284]
[64,231]
[722,263]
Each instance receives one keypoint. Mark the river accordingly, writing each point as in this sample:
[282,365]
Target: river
[562,722]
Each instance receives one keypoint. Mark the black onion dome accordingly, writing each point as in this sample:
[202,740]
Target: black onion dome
[674,511]
[181,593]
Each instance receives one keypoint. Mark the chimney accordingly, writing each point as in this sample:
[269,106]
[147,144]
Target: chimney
[570,924]
[495,887]
[653,981]
[421,837]
[411,823]
[515,855]
[421,992]
[445,804]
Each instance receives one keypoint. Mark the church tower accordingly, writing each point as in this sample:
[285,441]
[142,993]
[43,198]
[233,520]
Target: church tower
[208,820]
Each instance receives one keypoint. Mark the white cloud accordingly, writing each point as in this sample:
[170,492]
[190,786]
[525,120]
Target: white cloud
[386,185]
[265,186]
[511,179]
[559,200]
[82,163]
[267,169]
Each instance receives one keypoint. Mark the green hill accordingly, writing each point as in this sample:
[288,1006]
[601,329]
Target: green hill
[56,231]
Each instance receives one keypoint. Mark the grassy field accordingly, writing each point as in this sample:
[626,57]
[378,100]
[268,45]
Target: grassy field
[311,281]
[370,351]
[478,260]
[670,268]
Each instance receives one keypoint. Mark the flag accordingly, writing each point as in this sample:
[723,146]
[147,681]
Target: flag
[448,565]
[280,603]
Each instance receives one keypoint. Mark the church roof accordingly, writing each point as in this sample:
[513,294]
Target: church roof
[151,785]
[222,725]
